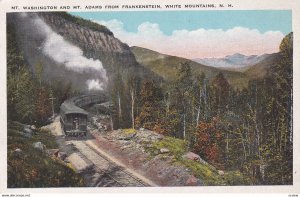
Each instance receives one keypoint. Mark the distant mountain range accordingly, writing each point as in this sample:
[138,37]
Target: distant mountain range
[238,71]
[167,67]
[236,61]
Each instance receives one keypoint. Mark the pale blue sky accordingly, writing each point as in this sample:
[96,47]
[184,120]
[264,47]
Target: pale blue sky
[194,34]
[262,20]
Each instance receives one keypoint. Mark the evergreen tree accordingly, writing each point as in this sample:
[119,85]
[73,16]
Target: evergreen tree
[183,96]
[220,89]
[151,111]
[42,105]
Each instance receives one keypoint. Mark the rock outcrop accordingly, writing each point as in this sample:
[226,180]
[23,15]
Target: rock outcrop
[96,44]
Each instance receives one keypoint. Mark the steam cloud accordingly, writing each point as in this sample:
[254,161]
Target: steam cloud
[67,54]
[94,84]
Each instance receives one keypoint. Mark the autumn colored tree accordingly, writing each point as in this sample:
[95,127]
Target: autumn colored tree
[209,142]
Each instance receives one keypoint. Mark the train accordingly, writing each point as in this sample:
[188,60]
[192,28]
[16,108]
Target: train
[73,118]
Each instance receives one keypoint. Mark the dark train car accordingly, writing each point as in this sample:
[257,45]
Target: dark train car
[73,119]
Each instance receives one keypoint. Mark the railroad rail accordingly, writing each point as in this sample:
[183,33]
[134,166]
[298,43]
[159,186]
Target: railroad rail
[112,174]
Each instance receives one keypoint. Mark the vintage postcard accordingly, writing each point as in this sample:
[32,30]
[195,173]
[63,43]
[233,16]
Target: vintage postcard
[148,96]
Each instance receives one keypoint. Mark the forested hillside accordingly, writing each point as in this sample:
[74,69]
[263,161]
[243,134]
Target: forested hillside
[248,130]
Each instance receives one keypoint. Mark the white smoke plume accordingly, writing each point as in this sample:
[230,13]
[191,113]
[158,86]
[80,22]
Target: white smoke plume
[94,84]
[69,55]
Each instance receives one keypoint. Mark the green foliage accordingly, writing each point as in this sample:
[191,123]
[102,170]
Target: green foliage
[176,146]
[209,175]
[21,93]
[20,86]
[204,172]
[42,104]
[237,178]
[32,168]
[129,131]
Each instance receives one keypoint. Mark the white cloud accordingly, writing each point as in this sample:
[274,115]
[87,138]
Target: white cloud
[200,42]
[149,29]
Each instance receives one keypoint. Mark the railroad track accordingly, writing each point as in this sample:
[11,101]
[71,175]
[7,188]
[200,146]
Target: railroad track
[111,173]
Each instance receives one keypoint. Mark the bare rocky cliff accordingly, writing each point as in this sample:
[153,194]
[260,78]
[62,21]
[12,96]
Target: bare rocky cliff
[98,44]
[73,50]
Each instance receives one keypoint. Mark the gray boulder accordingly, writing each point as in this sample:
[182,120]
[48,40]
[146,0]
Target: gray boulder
[26,132]
[17,152]
[39,145]
[191,181]
[127,136]
[27,135]
[191,156]
[33,127]
[194,157]
[27,129]
[221,172]
[164,150]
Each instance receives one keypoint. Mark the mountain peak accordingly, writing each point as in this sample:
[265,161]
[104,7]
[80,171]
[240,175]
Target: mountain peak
[236,55]
[237,60]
